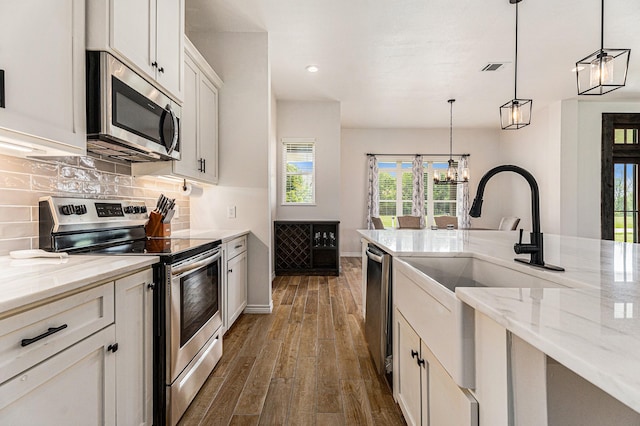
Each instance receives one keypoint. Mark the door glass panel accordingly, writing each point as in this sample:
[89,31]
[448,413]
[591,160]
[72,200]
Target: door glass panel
[625,136]
[625,202]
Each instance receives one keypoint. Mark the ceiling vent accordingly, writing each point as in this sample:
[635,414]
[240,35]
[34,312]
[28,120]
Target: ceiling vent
[493,66]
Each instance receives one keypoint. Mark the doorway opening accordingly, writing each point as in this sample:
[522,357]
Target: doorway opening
[620,204]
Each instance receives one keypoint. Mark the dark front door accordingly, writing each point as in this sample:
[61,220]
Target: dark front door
[620,160]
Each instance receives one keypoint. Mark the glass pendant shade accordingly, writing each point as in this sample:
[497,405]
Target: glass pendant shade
[516,114]
[603,71]
[465,174]
[452,173]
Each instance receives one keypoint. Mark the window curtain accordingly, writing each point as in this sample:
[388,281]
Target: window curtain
[373,191]
[417,205]
[464,221]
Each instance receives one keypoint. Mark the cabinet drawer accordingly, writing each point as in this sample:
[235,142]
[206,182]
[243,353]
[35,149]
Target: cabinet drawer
[237,246]
[52,328]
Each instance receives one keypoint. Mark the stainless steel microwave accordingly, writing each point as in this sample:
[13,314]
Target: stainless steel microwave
[127,117]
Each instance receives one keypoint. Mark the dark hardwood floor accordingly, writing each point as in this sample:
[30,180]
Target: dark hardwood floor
[307,363]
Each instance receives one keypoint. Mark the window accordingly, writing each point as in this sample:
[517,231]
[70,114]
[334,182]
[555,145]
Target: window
[396,191]
[298,174]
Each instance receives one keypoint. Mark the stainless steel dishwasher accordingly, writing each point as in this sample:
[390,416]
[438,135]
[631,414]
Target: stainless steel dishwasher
[377,327]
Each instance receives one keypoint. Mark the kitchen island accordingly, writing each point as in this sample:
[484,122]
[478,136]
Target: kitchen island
[548,337]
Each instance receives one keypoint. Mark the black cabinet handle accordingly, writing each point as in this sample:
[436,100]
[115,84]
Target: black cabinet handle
[161,69]
[49,332]
[151,286]
[414,354]
[2,89]
[421,362]
[154,64]
[113,348]
[204,165]
[230,270]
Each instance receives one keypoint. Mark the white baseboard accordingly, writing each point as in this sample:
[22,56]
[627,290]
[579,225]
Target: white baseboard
[259,309]
[351,254]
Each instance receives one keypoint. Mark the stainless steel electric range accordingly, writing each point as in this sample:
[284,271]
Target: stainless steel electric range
[187,291]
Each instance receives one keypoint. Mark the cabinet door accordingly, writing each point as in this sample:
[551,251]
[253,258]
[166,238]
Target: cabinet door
[43,58]
[236,287]
[408,383]
[170,44]
[447,404]
[188,165]
[133,32]
[208,125]
[75,387]
[134,358]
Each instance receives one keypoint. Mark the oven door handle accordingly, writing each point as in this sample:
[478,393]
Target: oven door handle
[195,265]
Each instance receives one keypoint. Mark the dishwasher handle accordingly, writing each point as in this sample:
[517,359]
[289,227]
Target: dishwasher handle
[375,257]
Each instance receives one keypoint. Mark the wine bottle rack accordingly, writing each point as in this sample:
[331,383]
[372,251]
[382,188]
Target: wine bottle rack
[307,248]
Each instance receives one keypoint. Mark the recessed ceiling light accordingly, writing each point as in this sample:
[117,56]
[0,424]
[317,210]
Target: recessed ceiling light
[312,68]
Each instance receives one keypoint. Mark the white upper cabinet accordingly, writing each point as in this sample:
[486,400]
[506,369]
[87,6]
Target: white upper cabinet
[145,34]
[42,58]
[198,125]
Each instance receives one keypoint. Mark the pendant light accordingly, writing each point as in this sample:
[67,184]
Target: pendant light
[516,113]
[452,171]
[604,70]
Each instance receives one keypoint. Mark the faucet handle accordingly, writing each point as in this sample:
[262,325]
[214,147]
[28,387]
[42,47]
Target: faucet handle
[520,239]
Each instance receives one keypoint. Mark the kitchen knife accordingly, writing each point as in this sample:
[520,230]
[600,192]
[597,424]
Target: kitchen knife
[167,218]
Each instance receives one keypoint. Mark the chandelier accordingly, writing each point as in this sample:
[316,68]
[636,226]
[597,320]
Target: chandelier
[452,171]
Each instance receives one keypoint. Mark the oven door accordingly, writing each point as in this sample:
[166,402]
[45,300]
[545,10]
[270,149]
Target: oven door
[194,306]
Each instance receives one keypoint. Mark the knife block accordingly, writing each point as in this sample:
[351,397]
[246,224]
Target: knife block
[155,227]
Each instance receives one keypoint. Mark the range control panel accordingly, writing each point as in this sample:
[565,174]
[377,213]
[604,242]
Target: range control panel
[89,212]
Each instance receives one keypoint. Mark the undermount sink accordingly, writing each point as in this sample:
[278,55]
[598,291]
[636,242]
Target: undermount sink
[424,292]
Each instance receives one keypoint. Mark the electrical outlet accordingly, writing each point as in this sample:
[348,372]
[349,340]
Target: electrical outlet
[231,212]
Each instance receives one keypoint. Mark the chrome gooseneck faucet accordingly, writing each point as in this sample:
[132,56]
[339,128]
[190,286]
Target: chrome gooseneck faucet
[535,247]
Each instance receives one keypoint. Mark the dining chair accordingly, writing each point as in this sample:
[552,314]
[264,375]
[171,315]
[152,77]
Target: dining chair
[409,222]
[509,223]
[444,221]
[377,223]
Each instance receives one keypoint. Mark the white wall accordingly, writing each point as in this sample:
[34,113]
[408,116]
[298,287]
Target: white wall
[482,144]
[319,120]
[562,149]
[241,60]
[537,149]
[588,153]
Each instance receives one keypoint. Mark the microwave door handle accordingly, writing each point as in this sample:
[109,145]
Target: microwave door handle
[174,140]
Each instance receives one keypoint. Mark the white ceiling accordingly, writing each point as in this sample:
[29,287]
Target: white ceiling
[395,63]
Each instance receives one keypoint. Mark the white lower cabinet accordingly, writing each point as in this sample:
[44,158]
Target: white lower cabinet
[425,392]
[134,357]
[75,387]
[236,280]
[408,373]
[81,360]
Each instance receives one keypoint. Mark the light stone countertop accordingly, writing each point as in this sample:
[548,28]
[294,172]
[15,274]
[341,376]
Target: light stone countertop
[28,281]
[592,328]
[225,235]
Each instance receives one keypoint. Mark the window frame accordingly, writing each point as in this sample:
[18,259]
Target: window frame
[429,201]
[286,142]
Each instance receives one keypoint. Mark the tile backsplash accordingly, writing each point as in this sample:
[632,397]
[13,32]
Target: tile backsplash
[24,181]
